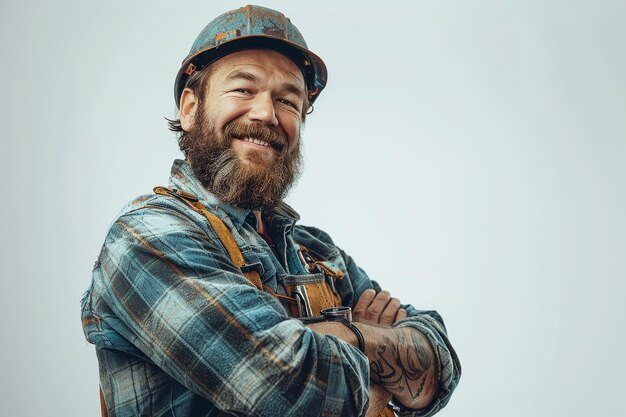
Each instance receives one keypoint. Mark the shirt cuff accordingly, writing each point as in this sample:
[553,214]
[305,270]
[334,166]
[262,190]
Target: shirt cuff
[449,371]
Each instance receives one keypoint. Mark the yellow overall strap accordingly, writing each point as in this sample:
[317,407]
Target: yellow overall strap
[220,228]
[103,406]
[387,412]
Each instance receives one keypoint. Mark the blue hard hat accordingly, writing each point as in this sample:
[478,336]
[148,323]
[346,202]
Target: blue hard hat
[252,27]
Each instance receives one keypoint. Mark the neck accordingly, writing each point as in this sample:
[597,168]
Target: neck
[260,222]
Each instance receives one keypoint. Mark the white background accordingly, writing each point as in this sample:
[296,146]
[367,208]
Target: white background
[470,155]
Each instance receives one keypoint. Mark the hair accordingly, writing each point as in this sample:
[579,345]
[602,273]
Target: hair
[198,82]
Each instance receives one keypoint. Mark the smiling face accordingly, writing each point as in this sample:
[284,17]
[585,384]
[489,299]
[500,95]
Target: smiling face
[242,137]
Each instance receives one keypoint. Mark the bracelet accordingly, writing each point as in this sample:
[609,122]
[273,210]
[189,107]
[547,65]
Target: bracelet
[357,332]
[344,315]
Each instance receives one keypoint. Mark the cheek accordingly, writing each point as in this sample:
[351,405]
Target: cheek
[292,126]
[226,111]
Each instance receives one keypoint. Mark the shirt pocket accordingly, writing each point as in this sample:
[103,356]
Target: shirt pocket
[311,294]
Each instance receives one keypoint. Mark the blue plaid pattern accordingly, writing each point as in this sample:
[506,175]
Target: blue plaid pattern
[179,331]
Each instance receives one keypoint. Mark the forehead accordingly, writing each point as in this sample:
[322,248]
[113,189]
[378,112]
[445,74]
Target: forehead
[265,62]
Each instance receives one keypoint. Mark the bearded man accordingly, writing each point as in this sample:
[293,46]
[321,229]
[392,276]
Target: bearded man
[208,298]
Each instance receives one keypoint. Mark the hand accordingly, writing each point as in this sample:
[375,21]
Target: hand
[403,362]
[378,308]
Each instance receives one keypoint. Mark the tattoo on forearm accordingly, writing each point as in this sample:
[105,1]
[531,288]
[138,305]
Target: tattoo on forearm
[401,365]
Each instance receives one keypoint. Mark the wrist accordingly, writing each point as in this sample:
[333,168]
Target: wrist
[374,336]
[343,315]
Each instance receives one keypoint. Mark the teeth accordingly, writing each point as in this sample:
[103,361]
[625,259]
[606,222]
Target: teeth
[257,142]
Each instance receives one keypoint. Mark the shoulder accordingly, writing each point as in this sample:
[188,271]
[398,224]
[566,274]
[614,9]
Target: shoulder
[154,230]
[153,215]
[160,206]
[316,240]
[314,233]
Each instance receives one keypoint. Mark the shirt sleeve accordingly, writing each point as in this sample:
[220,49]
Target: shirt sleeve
[431,325]
[175,295]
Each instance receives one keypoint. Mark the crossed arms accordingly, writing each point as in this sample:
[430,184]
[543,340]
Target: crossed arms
[402,362]
[190,312]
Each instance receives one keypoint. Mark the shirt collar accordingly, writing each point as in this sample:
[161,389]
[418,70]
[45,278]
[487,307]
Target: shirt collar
[182,178]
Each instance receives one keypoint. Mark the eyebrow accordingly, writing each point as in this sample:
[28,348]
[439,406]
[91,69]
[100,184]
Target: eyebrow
[292,88]
[241,75]
[247,76]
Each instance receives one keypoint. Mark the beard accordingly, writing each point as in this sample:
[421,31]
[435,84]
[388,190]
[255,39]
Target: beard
[261,182]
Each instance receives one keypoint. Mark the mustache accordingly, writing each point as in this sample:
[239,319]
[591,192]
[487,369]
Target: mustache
[241,130]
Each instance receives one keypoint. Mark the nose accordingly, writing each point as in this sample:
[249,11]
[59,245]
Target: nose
[262,110]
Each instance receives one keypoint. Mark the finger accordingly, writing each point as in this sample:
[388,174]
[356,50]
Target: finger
[389,314]
[377,306]
[401,314]
[360,308]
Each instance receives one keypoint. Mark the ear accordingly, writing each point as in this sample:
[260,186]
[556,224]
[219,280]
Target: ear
[188,107]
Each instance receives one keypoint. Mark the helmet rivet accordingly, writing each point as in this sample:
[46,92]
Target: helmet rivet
[190,69]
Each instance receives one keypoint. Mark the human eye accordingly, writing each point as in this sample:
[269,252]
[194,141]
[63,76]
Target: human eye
[288,103]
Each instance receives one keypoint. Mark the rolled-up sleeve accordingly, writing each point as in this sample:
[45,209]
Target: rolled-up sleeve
[431,325]
[174,295]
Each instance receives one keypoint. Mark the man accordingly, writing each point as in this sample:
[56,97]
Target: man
[207,298]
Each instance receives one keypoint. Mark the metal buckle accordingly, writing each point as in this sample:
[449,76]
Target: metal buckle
[338,312]
[302,301]
[306,260]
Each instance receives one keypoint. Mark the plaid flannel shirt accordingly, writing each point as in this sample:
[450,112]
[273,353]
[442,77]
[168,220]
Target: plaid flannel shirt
[179,331]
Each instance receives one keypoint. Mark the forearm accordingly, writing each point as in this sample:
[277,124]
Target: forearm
[286,354]
[427,322]
[401,360]
[430,327]
[378,396]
